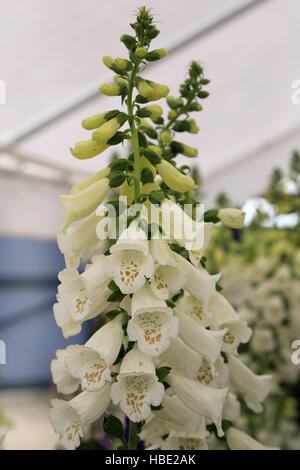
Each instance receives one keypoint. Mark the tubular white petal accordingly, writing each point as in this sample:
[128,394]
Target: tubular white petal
[69,418]
[193,307]
[64,381]
[179,226]
[182,359]
[95,277]
[255,388]
[216,376]
[128,268]
[238,440]
[133,238]
[91,405]
[144,301]
[153,331]
[78,239]
[153,324]
[107,340]
[184,442]
[137,386]
[175,412]
[66,422]
[198,282]
[65,321]
[87,365]
[166,280]
[208,343]
[72,293]
[204,400]
[232,408]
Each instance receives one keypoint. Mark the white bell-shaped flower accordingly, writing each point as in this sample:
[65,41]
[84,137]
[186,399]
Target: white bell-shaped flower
[130,262]
[137,386]
[193,307]
[64,381]
[180,227]
[255,388]
[239,440]
[168,278]
[206,342]
[182,359]
[224,316]
[91,363]
[203,400]
[69,418]
[232,408]
[78,239]
[85,295]
[65,321]
[184,441]
[153,324]
[216,376]
[176,413]
[198,282]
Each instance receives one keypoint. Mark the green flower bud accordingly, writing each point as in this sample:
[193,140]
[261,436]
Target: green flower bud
[194,129]
[154,111]
[128,41]
[108,61]
[195,107]
[173,178]
[189,151]
[172,102]
[156,55]
[120,81]
[172,114]
[140,52]
[88,149]
[110,89]
[152,91]
[166,137]
[122,64]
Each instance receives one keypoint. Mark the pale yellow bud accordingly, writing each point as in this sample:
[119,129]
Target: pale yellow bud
[106,131]
[231,217]
[166,137]
[88,149]
[140,52]
[110,89]
[93,122]
[174,178]
[172,114]
[188,151]
[108,61]
[155,110]
[156,149]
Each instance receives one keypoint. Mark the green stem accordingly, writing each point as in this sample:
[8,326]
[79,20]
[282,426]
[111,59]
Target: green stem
[131,440]
[134,134]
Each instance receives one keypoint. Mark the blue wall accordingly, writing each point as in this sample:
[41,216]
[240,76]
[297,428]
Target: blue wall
[28,284]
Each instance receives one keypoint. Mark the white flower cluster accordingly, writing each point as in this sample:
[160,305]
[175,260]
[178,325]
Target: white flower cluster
[170,316]
[265,291]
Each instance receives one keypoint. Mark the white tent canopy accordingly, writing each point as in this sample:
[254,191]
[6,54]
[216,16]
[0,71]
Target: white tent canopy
[51,64]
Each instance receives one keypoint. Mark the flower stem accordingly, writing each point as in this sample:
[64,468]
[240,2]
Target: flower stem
[134,134]
[131,439]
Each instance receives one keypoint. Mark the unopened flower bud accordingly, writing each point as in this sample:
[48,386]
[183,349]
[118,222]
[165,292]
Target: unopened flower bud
[231,217]
[174,178]
[156,54]
[140,52]
[88,149]
[166,137]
